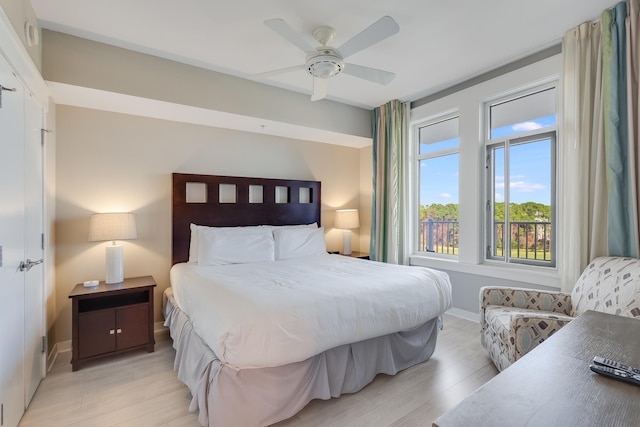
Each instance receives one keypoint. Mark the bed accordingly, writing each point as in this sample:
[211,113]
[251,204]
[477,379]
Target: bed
[263,320]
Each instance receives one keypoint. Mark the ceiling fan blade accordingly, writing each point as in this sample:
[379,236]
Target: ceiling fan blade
[276,72]
[282,28]
[320,85]
[367,73]
[376,32]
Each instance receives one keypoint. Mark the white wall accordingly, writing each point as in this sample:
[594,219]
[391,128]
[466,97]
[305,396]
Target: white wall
[115,162]
[19,12]
[469,271]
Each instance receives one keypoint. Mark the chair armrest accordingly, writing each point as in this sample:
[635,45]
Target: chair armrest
[534,299]
[528,331]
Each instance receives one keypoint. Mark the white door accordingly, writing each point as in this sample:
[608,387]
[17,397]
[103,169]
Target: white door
[11,247]
[34,322]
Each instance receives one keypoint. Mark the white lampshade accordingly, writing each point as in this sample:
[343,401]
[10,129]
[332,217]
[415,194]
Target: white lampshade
[347,219]
[113,226]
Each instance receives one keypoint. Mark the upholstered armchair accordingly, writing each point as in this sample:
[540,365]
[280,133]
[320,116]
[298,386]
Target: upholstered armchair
[514,321]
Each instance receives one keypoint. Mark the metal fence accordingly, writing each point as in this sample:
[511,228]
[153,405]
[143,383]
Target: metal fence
[439,236]
[528,239]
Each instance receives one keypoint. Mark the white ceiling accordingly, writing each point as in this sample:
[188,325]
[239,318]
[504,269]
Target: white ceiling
[440,43]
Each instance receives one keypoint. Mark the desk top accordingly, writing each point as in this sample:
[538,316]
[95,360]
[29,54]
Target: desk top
[552,385]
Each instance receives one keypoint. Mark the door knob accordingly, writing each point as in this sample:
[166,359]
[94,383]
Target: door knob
[28,264]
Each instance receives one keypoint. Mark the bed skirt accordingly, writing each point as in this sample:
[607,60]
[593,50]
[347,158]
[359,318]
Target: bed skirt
[258,397]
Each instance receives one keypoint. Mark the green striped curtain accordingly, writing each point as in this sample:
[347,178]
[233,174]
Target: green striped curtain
[390,126]
[599,141]
[622,199]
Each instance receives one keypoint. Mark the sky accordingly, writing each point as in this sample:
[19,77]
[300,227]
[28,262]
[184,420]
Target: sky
[529,170]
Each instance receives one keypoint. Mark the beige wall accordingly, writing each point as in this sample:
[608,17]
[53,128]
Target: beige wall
[84,63]
[366,196]
[114,162]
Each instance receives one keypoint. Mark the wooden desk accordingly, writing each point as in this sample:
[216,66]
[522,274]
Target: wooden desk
[553,386]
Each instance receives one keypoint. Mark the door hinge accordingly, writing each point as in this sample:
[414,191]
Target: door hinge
[488,251]
[1,414]
[44,344]
[42,240]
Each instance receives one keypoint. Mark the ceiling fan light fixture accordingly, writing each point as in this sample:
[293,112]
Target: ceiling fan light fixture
[325,61]
[324,66]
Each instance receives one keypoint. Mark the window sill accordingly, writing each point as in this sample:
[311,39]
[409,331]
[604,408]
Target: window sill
[521,273]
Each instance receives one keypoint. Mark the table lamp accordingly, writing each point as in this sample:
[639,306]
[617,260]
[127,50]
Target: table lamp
[346,219]
[113,226]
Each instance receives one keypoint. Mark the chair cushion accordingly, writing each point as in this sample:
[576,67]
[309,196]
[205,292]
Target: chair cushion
[540,325]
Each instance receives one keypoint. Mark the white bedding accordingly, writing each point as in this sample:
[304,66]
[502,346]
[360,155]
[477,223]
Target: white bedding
[274,313]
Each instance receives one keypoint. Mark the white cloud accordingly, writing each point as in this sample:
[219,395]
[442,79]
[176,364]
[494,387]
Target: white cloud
[445,196]
[525,187]
[525,126]
[499,198]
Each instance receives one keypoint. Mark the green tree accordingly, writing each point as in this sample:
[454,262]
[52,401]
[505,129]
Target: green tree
[439,212]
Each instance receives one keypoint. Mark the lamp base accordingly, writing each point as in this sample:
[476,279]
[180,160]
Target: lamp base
[346,242]
[114,266]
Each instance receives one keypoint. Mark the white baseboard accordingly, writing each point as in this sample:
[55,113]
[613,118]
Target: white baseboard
[52,356]
[59,347]
[64,346]
[158,327]
[464,314]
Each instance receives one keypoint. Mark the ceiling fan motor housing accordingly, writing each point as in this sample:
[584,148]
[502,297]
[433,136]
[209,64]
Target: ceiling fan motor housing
[327,63]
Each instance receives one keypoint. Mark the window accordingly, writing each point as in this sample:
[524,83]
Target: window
[520,165]
[437,158]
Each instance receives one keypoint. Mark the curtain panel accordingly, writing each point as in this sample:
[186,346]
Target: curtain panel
[390,130]
[599,150]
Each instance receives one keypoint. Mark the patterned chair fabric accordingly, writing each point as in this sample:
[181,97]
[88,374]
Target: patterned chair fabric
[514,321]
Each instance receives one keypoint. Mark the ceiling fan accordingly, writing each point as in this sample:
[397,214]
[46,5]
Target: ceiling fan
[324,62]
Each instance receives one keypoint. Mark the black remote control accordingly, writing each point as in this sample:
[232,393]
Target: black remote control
[615,365]
[616,374]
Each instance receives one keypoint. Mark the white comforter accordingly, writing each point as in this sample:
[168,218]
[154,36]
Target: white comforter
[275,313]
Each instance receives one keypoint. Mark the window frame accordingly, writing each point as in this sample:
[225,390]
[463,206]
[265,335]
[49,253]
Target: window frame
[415,159]
[468,100]
[549,132]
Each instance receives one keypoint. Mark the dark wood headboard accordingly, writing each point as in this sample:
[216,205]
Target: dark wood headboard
[212,212]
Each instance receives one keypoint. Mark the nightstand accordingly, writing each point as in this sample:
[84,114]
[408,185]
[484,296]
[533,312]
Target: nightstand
[111,319]
[361,255]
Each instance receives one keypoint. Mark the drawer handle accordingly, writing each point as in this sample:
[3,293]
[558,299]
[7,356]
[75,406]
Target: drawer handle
[111,331]
[119,330]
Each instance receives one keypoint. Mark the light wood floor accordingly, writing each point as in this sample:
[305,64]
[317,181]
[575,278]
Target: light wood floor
[141,389]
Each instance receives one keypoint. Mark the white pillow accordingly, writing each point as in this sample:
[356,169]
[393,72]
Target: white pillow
[234,245]
[193,242]
[299,242]
[281,227]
